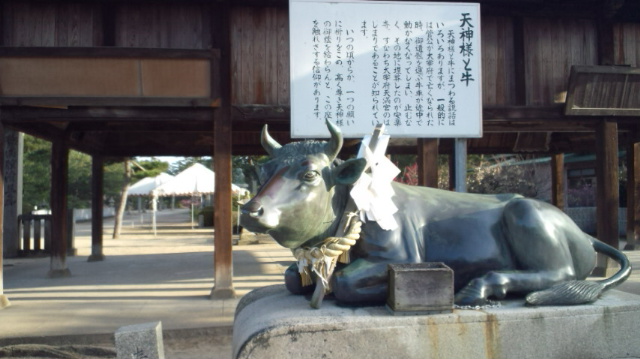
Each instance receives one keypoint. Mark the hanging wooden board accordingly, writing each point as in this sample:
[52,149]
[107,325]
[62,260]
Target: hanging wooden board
[131,80]
[603,91]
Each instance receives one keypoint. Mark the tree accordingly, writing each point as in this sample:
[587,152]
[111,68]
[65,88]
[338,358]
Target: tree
[148,168]
[409,170]
[246,171]
[79,180]
[490,175]
[122,201]
[37,177]
[503,174]
[134,171]
[36,174]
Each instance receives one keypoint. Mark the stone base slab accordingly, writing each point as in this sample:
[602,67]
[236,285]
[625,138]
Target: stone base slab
[272,323]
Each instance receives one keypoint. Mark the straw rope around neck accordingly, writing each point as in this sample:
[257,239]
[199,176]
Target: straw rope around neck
[322,260]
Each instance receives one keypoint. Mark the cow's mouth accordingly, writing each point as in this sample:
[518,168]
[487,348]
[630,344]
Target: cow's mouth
[253,223]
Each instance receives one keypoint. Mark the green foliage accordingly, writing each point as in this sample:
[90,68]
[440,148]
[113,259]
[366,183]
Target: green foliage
[79,177]
[37,177]
[148,168]
[246,169]
[36,173]
[113,175]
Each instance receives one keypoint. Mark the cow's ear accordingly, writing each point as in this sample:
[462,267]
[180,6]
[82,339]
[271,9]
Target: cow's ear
[349,171]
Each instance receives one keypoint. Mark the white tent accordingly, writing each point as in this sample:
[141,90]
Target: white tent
[148,184]
[145,186]
[193,181]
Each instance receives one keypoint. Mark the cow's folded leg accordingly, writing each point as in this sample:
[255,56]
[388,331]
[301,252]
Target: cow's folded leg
[361,281]
[293,281]
[496,285]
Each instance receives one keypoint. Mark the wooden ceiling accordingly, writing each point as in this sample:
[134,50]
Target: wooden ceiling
[180,131]
[132,130]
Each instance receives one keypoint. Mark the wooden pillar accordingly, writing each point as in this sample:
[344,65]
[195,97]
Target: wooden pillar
[633,191]
[4,301]
[222,255]
[607,200]
[59,175]
[13,144]
[557,180]
[223,259]
[428,162]
[97,207]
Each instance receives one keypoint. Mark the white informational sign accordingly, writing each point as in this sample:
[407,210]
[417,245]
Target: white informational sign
[413,66]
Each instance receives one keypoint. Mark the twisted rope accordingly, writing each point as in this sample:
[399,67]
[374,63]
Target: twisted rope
[322,260]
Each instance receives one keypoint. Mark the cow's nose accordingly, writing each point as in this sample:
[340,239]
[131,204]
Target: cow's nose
[253,209]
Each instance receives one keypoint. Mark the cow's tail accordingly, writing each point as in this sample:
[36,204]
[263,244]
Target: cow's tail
[583,291]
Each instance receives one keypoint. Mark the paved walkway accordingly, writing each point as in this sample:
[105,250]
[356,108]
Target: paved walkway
[145,278]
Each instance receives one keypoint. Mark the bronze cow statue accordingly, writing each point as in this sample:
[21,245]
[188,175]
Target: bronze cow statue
[497,245]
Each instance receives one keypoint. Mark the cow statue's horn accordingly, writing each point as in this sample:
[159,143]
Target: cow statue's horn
[270,145]
[333,147]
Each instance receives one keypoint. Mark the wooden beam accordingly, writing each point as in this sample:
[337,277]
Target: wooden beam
[521,112]
[97,205]
[41,130]
[428,162]
[222,132]
[4,301]
[262,112]
[109,52]
[557,180]
[112,114]
[607,200]
[59,182]
[107,101]
[546,114]
[138,127]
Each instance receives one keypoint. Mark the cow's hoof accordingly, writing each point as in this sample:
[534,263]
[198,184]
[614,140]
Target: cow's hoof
[471,295]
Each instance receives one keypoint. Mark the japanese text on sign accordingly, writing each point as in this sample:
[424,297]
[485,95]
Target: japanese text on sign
[415,67]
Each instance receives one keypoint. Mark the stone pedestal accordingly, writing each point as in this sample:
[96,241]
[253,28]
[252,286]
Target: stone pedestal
[140,341]
[271,323]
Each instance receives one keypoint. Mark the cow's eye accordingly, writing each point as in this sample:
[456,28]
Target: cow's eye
[310,176]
